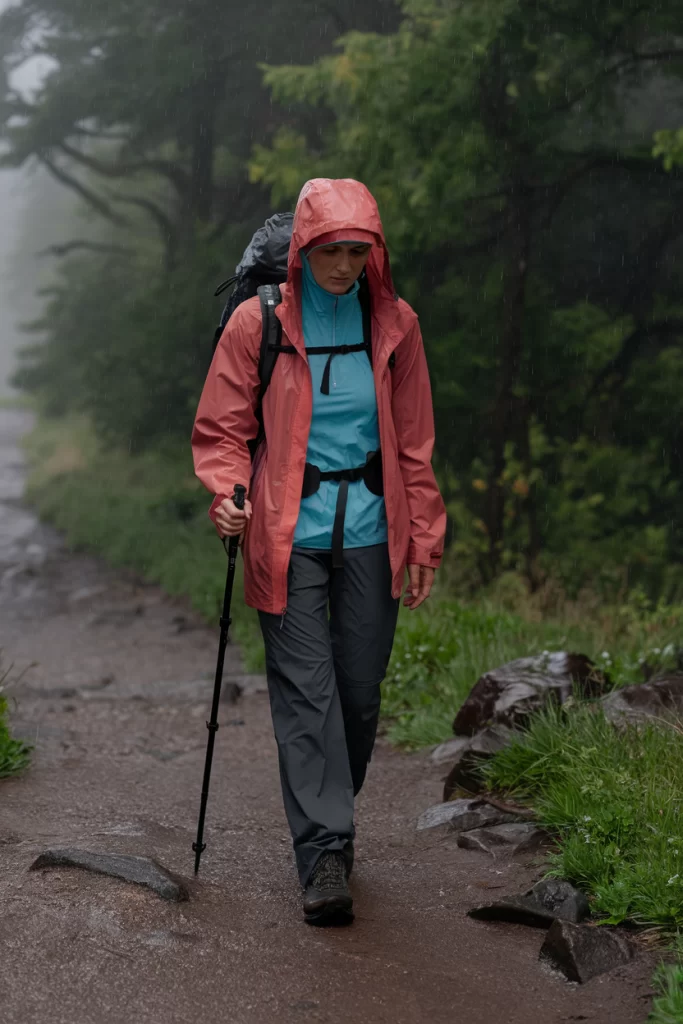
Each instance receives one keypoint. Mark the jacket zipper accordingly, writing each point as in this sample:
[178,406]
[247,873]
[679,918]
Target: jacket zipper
[282,623]
[334,340]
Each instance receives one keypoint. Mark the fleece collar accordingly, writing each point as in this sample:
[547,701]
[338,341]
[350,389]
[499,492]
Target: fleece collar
[317,299]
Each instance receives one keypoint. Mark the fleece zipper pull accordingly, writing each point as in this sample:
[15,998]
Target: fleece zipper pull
[328,371]
[334,338]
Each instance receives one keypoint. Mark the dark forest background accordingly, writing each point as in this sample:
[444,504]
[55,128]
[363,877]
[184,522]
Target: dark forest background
[527,156]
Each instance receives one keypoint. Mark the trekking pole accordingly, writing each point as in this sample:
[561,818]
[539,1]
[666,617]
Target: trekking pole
[232,547]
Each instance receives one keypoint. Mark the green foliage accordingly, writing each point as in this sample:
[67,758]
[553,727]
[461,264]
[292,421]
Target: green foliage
[574,395]
[440,653]
[613,799]
[162,93]
[530,221]
[668,1004]
[148,114]
[138,371]
[15,755]
[669,146]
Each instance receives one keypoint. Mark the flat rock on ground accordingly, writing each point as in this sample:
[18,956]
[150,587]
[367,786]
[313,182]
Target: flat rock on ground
[547,901]
[582,952]
[447,752]
[136,870]
[463,815]
[121,774]
[510,840]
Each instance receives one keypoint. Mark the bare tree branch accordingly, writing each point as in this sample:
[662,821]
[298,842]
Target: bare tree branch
[560,189]
[167,229]
[600,162]
[121,170]
[238,204]
[631,61]
[81,244]
[90,197]
[617,369]
[149,206]
[92,133]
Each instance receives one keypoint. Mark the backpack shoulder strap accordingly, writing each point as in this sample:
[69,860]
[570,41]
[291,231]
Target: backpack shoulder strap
[271,334]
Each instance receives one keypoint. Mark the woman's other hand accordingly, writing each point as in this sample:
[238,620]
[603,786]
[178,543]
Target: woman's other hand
[231,522]
[420,585]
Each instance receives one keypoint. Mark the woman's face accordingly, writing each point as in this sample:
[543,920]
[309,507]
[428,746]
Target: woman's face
[336,268]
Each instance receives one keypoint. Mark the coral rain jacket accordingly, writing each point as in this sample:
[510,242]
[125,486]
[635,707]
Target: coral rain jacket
[226,418]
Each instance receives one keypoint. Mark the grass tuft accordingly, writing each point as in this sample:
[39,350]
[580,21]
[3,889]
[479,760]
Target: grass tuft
[668,1005]
[441,652]
[614,798]
[15,755]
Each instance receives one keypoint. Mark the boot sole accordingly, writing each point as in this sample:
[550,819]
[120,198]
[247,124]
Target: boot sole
[335,913]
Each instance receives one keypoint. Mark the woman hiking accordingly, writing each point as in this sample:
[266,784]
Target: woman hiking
[342,500]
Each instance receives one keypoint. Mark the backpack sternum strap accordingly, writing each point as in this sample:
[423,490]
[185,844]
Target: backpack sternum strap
[271,340]
[340,350]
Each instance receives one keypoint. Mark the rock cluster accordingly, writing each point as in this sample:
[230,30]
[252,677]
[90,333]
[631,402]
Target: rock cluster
[502,702]
[499,706]
[579,951]
[660,699]
[548,901]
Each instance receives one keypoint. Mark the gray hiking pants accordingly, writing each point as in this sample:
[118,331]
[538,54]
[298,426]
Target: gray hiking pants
[325,663]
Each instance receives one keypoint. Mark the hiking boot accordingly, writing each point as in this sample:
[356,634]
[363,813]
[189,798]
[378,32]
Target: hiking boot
[327,899]
[349,857]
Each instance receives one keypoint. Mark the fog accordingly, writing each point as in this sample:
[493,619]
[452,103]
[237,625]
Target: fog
[18,265]
[13,304]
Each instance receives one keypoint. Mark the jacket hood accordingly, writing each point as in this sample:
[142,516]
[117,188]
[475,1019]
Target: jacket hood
[334,208]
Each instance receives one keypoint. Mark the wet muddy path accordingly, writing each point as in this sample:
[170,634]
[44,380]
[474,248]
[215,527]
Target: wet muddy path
[116,687]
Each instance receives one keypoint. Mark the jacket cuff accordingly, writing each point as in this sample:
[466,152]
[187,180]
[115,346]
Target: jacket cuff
[423,556]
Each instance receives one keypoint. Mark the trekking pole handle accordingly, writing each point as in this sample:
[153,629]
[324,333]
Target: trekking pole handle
[238,498]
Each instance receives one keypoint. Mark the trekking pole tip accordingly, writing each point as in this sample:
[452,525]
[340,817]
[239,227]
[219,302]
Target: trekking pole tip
[198,850]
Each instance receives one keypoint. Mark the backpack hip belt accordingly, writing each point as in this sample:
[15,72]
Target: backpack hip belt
[371,475]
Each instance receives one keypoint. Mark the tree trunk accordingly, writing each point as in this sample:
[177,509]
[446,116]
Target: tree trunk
[510,356]
[534,546]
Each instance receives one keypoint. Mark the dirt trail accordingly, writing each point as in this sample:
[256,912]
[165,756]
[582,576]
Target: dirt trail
[116,702]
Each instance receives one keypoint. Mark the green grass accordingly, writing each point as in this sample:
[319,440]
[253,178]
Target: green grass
[668,1005]
[15,756]
[614,798]
[440,653]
